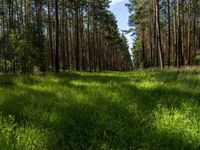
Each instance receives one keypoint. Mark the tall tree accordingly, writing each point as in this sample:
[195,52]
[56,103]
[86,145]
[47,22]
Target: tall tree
[57,63]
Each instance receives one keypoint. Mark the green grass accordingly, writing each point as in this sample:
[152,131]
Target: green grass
[101,111]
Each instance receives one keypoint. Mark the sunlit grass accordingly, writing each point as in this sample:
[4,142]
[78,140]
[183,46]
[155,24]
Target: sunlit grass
[179,123]
[115,110]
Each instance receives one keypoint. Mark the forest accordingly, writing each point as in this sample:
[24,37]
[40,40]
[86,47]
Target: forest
[60,35]
[167,32]
[99,75]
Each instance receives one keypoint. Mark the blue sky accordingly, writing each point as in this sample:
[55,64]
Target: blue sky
[121,12]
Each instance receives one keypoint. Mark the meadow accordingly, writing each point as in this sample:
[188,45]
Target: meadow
[139,110]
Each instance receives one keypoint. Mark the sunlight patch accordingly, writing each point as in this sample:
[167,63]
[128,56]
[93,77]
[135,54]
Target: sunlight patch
[53,80]
[31,138]
[183,123]
[41,88]
[78,83]
[148,84]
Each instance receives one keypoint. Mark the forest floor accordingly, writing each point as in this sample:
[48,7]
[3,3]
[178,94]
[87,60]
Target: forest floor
[115,110]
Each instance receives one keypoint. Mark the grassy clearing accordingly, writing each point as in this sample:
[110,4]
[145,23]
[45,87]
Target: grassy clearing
[118,111]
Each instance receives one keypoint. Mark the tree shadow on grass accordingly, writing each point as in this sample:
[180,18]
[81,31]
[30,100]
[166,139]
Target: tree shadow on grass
[184,78]
[188,79]
[6,81]
[94,77]
[100,122]
[73,125]
[147,100]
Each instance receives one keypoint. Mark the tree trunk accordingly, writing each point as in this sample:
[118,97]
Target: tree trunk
[159,33]
[57,63]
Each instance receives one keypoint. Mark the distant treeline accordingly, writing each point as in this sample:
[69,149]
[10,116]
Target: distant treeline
[167,32]
[59,35]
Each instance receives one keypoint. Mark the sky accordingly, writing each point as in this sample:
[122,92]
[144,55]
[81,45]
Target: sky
[121,12]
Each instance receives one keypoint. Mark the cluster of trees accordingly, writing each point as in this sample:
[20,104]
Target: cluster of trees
[60,35]
[167,32]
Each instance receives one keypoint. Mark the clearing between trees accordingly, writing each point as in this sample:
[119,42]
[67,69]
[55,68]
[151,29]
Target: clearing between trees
[131,110]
